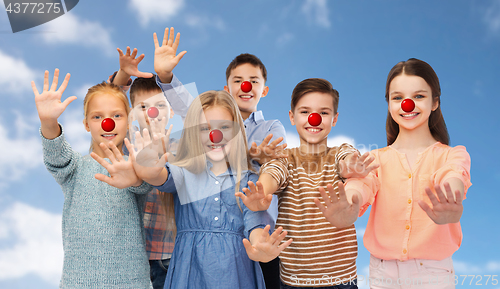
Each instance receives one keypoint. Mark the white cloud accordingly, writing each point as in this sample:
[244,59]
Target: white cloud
[70,29]
[21,153]
[293,140]
[205,21]
[15,75]
[284,39]
[155,10]
[360,232]
[492,17]
[33,234]
[316,12]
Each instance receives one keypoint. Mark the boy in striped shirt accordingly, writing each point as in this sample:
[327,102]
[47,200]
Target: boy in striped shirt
[321,255]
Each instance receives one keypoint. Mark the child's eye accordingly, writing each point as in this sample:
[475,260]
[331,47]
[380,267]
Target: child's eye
[143,107]
[255,81]
[419,96]
[324,113]
[225,127]
[237,81]
[161,105]
[304,112]
[117,116]
[397,98]
[96,117]
[204,128]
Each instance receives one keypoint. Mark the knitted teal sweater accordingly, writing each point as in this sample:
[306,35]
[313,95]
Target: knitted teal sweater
[102,227]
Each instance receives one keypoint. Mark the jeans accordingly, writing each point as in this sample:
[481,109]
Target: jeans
[158,272]
[349,285]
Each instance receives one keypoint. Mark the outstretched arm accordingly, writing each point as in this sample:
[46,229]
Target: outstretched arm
[258,197]
[263,247]
[49,105]
[166,57]
[339,211]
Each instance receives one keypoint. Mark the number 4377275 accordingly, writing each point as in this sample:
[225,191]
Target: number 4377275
[34,8]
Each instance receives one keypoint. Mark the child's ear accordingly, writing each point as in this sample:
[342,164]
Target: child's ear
[290,114]
[435,105]
[265,91]
[226,88]
[171,113]
[86,124]
[335,119]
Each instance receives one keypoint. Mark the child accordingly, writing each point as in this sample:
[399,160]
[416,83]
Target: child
[102,226]
[322,255]
[409,241]
[211,222]
[159,216]
[244,67]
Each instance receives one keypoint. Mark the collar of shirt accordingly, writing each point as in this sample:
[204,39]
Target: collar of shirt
[254,118]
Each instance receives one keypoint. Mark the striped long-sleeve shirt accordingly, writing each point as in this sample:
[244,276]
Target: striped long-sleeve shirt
[320,254]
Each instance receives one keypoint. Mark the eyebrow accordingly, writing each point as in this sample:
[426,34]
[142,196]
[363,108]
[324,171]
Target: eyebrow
[307,107]
[418,91]
[251,77]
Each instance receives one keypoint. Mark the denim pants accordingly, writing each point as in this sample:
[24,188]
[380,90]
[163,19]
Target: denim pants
[158,272]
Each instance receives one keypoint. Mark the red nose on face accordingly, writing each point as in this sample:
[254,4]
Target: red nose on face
[246,86]
[108,124]
[407,105]
[153,112]
[216,136]
[314,119]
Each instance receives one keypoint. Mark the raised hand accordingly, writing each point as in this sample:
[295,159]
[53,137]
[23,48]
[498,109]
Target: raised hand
[147,165]
[254,198]
[338,211]
[129,63]
[355,166]
[445,209]
[166,57]
[265,247]
[266,152]
[121,171]
[49,105]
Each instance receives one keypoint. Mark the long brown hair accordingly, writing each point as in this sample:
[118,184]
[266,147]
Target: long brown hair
[436,122]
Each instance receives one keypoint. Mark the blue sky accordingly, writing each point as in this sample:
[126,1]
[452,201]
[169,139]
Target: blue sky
[353,44]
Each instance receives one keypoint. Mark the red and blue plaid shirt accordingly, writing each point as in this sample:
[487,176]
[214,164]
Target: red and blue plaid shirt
[159,241]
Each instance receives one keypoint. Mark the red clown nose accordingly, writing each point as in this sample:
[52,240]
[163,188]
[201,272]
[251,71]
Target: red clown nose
[153,112]
[108,124]
[215,136]
[314,119]
[246,86]
[407,105]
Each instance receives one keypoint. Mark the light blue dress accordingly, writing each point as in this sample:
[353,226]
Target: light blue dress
[209,251]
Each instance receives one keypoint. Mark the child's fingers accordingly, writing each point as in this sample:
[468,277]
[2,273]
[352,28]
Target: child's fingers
[117,154]
[449,193]
[46,81]
[428,210]
[176,41]
[68,100]
[332,194]
[260,187]
[280,238]
[325,197]
[265,233]
[55,80]
[180,56]
[120,52]
[285,244]
[342,194]
[155,39]
[275,235]
[100,160]
[171,37]
[130,148]
[108,152]
[141,57]
[252,187]
[458,197]
[35,90]
[440,194]
[64,84]
[431,196]
[248,247]
[267,139]
[128,51]
[320,206]
[104,178]
[275,142]
[165,37]
[242,196]
[134,53]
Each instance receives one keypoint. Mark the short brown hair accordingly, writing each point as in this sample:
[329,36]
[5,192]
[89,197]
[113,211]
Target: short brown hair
[314,85]
[436,122]
[142,84]
[246,58]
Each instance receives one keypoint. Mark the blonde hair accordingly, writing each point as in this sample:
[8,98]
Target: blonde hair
[190,152]
[103,88]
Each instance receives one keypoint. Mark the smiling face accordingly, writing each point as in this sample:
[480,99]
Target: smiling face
[216,118]
[100,107]
[147,99]
[415,88]
[247,101]
[314,138]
